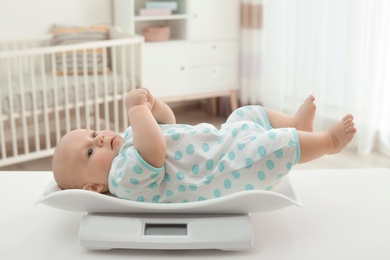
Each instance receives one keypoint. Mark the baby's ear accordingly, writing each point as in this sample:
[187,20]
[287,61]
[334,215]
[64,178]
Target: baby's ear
[93,187]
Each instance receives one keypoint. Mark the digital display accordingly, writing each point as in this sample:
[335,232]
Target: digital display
[152,229]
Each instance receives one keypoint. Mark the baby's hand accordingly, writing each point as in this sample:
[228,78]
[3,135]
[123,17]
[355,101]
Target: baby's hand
[137,97]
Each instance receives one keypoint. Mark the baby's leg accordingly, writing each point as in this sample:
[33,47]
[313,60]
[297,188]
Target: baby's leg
[333,140]
[302,120]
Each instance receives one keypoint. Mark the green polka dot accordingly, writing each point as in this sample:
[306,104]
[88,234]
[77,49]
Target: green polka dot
[258,121]
[217,193]
[205,147]
[240,146]
[193,187]
[221,167]
[279,153]
[182,188]
[178,155]
[227,184]
[262,151]
[185,201]
[156,199]
[291,143]
[209,164]
[134,181]
[245,127]
[140,198]
[195,169]
[120,175]
[234,132]
[248,163]
[167,177]
[169,193]
[272,135]
[154,175]
[236,175]
[268,188]
[206,130]
[261,175]
[253,137]
[279,176]
[240,113]
[153,185]
[231,155]
[249,187]
[137,169]
[270,164]
[201,198]
[175,136]
[190,149]
[209,178]
[289,166]
[114,183]
[180,176]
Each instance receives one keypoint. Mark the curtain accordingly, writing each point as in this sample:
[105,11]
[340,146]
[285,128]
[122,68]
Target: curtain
[251,22]
[337,50]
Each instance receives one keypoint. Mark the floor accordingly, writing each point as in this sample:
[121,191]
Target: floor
[195,113]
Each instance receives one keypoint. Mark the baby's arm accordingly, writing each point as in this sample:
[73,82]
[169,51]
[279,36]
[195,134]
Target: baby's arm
[161,111]
[147,135]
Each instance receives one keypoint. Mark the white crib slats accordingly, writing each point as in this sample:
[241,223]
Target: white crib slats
[115,81]
[66,90]
[96,88]
[11,109]
[124,83]
[105,96]
[48,91]
[76,89]
[86,91]
[23,111]
[34,103]
[56,104]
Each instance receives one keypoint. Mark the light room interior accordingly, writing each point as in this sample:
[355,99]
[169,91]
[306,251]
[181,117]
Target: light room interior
[204,59]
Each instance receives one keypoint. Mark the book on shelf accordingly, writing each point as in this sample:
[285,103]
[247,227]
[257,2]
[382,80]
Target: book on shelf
[172,5]
[154,11]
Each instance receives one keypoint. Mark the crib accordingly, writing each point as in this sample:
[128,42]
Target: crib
[46,91]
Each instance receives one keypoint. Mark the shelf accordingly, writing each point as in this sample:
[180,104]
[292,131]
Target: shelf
[157,18]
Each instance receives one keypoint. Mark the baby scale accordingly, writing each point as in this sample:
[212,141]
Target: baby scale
[223,223]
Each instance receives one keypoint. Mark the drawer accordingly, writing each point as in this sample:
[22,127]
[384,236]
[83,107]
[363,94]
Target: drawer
[213,76]
[213,53]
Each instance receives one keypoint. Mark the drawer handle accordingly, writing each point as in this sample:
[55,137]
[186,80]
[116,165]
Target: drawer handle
[214,47]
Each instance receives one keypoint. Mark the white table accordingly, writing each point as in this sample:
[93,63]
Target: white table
[346,215]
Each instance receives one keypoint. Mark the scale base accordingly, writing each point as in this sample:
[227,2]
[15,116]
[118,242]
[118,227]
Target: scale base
[166,231]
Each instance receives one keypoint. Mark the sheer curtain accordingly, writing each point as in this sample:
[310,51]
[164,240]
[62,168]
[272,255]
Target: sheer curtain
[337,50]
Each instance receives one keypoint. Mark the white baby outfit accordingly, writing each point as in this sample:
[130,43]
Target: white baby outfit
[205,163]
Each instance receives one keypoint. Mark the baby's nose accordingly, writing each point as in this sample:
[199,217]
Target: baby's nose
[100,140]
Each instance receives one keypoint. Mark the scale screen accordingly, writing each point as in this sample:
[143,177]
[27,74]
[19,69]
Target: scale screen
[153,229]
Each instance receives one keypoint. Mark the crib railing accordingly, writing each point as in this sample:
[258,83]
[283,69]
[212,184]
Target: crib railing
[48,91]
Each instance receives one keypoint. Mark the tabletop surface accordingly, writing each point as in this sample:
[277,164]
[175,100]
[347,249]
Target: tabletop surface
[345,215]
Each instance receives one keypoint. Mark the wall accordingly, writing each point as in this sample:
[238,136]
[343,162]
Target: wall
[32,17]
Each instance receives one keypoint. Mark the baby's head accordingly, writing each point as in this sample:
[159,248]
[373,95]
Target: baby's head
[82,159]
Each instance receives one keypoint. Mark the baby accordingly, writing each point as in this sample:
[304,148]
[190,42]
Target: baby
[158,160]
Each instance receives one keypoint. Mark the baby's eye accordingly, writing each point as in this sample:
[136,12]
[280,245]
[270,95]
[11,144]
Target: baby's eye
[90,152]
[94,134]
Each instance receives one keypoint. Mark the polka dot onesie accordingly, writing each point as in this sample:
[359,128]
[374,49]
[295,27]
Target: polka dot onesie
[204,163]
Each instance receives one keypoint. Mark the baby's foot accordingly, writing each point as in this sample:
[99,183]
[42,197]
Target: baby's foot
[304,117]
[342,133]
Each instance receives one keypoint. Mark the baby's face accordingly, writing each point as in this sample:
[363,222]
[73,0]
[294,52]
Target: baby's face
[91,153]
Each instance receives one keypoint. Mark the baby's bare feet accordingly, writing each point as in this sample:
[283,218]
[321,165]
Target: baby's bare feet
[304,117]
[342,133]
